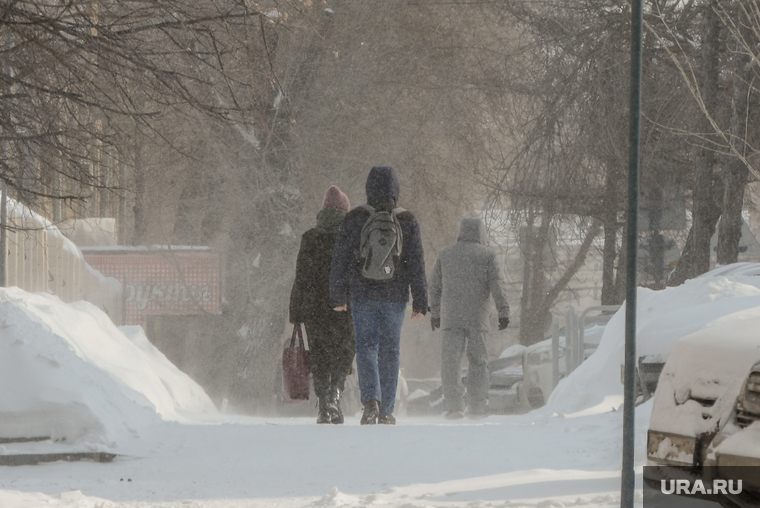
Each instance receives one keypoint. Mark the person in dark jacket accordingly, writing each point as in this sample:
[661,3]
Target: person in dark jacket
[378,307]
[464,276]
[330,334]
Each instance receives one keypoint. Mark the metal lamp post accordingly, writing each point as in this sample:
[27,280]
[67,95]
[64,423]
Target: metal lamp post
[628,475]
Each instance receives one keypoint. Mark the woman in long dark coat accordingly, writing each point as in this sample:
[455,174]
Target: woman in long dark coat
[330,334]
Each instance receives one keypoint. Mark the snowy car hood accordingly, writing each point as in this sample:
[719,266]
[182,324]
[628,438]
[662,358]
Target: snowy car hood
[704,374]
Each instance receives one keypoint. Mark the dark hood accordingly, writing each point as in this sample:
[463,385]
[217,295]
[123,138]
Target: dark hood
[472,230]
[382,186]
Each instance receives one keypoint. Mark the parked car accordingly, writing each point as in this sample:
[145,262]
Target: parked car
[425,397]
[538,382]
[505,379]
[706,410]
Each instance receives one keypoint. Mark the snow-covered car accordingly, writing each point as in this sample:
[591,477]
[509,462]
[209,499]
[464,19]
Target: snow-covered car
[537,383]
[425,397]
[505,379]
[706,410]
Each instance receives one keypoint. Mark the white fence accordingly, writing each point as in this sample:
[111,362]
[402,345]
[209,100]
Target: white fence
[41,259]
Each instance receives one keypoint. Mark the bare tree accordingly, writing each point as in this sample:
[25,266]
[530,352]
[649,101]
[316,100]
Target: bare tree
[721,43]
[79,77]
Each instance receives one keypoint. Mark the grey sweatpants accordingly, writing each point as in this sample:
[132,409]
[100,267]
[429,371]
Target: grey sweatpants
[454,343]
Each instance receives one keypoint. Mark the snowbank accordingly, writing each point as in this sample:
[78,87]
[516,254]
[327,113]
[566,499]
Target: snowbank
[68,373]
[662,318]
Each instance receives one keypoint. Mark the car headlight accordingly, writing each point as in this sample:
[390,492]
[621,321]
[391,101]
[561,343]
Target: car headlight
[670,449]
[748,403]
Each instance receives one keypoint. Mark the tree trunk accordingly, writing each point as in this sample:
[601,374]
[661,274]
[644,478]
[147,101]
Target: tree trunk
[140,229]
[532,322]
[620,276]
[609,251]
[735,176]
[695,258]
[538,298]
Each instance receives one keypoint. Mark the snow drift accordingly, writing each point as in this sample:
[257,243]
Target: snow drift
[68,373]
[662,318]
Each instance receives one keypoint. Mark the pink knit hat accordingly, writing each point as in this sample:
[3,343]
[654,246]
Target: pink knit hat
[334,198]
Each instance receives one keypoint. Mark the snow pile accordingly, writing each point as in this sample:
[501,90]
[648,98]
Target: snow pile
[68,373]
[663,317]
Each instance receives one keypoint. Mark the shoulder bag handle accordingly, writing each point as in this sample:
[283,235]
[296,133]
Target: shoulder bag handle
[297,333]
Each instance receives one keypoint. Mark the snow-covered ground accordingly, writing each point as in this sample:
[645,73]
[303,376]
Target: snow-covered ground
[68,373]
[252,462]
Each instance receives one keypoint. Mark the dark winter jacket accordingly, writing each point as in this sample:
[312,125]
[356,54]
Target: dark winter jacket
[310,296]
[463,277]
[382,193]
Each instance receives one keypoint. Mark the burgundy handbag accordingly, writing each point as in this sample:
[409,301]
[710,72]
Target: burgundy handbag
[295,369]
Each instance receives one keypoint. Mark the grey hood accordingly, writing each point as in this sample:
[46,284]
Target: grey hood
[472,230]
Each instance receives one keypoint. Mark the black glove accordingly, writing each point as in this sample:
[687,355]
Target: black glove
[503,322]
[435,322]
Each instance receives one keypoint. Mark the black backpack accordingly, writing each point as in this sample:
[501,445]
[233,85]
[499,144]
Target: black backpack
[380,245]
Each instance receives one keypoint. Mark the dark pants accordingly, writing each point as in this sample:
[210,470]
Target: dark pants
[331,352]
[378,346]
[454,342]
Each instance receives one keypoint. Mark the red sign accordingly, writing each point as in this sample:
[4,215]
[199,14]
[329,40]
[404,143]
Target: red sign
[161,280]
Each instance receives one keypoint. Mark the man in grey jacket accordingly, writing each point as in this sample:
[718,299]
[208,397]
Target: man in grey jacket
[463,277]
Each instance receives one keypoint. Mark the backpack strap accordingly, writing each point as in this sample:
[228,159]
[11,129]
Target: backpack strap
[363,237]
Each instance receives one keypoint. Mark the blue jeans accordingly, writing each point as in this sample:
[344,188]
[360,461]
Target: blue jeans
[377,331]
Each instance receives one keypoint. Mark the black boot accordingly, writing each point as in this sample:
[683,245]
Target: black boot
[324,415]
[336,414]
[371,412]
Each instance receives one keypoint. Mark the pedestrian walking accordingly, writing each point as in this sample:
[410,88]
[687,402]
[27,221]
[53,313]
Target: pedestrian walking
[463,277]
[330,334]
[377,259]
